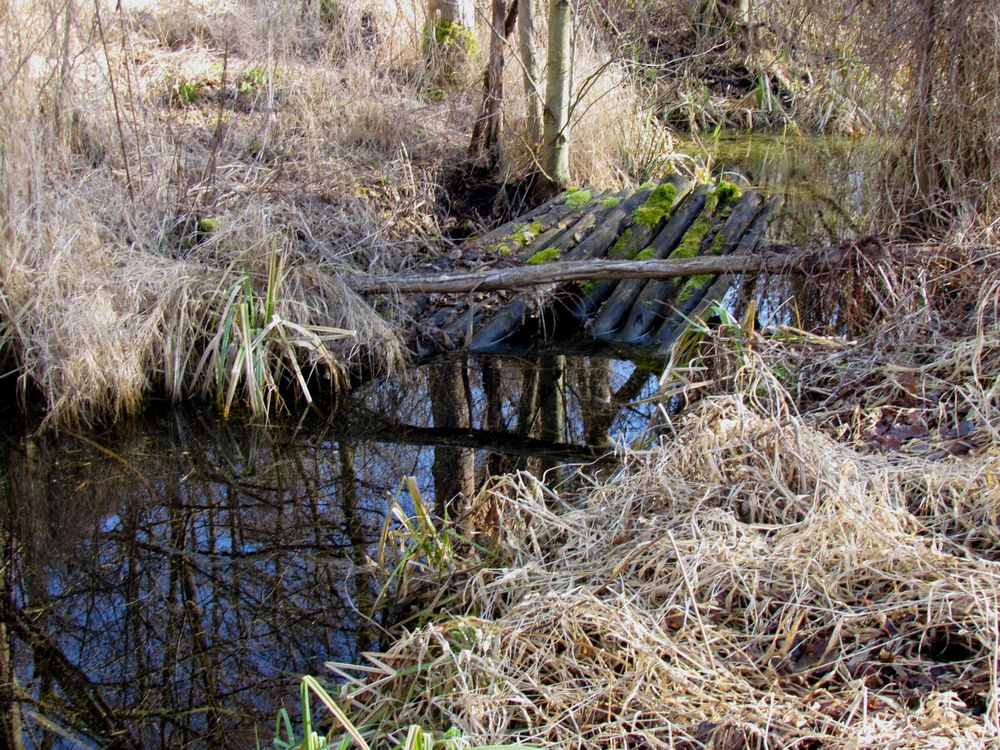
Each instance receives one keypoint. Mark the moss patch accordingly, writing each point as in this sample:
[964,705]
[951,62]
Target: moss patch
[500,249]
[727,193]
[623,247]
[578,198]
[647,254]
[589,286]
[450,36]
[690,244]
[656,207]
[691,286]
[209,224]
[525,233]
[609,202]
[548,255]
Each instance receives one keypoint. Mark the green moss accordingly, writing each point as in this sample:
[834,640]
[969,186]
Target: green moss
[656,207]
[548,255]
[692,285]
[727,193]
[578,198]
[690,244]
[525,233]
[647,254]
[623,247]
[718,243]
[646,186]
[609,202]
[589,286]
[209,224]
[499,248]
[451,36]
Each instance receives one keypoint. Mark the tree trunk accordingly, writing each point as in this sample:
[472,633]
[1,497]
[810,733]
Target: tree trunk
[485,146]
[555,138]
[529,59]
[450,37]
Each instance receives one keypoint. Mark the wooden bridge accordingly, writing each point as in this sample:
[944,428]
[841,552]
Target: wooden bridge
[510,296]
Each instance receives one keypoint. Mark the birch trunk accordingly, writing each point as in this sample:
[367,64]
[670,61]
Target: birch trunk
[555,140]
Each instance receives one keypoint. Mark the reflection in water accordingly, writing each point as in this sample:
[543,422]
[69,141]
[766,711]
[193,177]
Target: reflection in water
[165,583]
[825,180]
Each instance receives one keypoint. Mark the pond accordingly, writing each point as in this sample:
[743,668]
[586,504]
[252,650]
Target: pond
[166,581]
[826,182]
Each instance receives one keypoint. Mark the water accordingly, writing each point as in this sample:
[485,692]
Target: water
[170,579]
[825,181]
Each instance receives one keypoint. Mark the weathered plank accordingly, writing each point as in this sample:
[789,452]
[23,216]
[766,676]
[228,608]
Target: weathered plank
[631,242]
[628,292]
[706,291]
[606,226]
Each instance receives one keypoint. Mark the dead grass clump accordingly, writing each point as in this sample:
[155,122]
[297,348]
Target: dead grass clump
[160,162]
[751,582]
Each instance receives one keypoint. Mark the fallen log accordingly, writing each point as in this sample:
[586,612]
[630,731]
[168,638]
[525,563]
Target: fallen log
[818,259]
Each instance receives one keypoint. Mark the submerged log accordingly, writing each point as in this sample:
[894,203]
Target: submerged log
[819,259]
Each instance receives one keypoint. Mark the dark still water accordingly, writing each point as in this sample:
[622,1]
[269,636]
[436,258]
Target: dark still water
[166,582]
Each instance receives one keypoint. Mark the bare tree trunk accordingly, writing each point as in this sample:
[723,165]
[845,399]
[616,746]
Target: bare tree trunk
[555,138]
[529,59]
[485,145]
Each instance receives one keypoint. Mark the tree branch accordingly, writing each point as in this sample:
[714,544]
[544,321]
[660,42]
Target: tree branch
[582,270]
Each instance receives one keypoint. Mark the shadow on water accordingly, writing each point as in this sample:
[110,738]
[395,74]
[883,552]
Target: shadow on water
[166,582]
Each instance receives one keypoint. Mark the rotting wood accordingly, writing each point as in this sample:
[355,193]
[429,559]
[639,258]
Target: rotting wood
[649,307]
[713,289]
[569,222]
[819,259]
[624,298]
[506,321]
[641,236]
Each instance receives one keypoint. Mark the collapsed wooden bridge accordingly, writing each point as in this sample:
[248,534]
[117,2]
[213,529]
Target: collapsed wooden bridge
[644,263]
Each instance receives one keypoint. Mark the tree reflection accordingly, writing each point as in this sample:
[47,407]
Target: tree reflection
[166,583]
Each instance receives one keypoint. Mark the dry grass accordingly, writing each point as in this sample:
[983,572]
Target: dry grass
[152,158]
[768,575]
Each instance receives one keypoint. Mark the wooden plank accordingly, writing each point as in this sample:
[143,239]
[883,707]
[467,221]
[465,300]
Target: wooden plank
[624,297]
[819,259]
[703,294]
[648,310]
[548,210]
[488,336]
[633,240]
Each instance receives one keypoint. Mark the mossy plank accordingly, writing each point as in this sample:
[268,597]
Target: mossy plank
[699,294]
[634,240]
[642,300]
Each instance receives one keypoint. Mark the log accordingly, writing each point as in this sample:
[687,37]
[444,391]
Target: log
[642,234]
[624,297]
[819,259]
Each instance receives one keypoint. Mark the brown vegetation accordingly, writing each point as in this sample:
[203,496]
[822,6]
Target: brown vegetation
[807,558]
